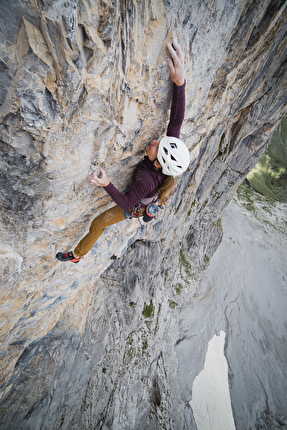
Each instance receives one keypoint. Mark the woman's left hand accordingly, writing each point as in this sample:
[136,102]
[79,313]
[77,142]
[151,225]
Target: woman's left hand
[102,181]
[176,65]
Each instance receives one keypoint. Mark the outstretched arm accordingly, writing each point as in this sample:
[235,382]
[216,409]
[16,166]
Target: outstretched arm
[138,190]
[176,70]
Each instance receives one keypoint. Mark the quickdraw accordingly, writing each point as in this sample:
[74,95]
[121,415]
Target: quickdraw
[138,210]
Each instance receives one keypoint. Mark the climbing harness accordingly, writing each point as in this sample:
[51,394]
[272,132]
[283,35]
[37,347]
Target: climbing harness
[147,212]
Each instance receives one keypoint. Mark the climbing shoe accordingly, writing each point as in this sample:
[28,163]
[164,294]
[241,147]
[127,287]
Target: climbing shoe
[68,256]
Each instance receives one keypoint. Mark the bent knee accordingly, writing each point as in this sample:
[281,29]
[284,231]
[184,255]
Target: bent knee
[97,226]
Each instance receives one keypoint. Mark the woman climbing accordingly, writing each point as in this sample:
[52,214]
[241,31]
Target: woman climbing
[153,178]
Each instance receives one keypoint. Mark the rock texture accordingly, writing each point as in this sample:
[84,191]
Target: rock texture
[85,83]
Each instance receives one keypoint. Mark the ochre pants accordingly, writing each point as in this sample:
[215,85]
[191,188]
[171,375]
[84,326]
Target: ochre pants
[111,216]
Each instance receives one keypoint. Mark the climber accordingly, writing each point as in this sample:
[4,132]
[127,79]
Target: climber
[153,178]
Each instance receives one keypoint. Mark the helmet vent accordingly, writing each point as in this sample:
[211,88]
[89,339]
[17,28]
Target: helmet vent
[173,156]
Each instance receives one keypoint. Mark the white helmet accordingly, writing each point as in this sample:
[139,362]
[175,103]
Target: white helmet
[173,156]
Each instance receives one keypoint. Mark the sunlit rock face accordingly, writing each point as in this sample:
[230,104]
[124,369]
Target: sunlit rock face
[85,84]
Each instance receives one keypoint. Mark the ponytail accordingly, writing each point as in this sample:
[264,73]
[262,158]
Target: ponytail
[166,189]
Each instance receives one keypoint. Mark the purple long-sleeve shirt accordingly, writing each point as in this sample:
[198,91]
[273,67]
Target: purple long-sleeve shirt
[146,179]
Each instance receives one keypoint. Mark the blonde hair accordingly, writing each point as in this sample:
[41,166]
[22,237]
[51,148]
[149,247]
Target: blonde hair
[166,189]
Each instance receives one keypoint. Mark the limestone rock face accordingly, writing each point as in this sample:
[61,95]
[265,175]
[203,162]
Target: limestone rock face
[83,84]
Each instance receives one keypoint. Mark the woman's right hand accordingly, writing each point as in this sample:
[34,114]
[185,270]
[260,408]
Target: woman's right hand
[102,181]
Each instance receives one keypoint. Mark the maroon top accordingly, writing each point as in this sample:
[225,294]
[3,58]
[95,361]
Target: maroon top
[146,179]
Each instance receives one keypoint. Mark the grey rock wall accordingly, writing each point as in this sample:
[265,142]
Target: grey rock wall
[85,83]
